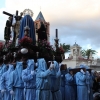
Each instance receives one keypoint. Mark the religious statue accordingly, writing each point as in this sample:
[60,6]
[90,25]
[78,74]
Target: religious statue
[7,30]
[42,32]
[16,26]
[14,21]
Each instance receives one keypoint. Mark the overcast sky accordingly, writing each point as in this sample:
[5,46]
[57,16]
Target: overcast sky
[76,20]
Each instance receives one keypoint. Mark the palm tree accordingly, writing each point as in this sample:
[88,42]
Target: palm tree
[66,47]
[86,53]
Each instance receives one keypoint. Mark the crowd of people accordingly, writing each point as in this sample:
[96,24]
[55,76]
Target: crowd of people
[43,80]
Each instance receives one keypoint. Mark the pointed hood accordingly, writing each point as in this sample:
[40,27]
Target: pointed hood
[11,68]
[40,17]
[30,64]
[19,68]
[4,68]
[55,69]
[42,64]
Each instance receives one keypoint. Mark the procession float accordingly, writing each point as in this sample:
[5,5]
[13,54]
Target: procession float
[24,40]
[27,39]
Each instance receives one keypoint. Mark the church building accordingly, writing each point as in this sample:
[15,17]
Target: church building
[75,58]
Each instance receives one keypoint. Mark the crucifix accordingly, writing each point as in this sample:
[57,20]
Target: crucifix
[15,27]
[11,15]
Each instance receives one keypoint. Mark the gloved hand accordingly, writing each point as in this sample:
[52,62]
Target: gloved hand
[82,71]
[51,66]
[33,72]
[36,64]
[12,92]
[3,91]
[60,65]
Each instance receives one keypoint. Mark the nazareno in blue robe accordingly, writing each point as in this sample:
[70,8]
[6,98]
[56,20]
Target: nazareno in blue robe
[56,82]
[62,86]
[82,91]
[15,82]
[29,81]
[43,91]
[5,82]
[69,87]
[27,21]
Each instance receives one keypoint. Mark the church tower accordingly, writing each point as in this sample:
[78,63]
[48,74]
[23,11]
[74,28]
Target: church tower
[75,51]
[40,19]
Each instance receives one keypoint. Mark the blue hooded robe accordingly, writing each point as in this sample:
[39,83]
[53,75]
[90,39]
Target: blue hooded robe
[5,82]
[43,91]
[29,81]
[15,82]
[27,21]
[3,70]
[62,87]
[89,82]
[69,87]
[56,82]
[82,91]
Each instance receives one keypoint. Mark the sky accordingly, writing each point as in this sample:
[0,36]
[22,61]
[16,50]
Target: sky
[76,20]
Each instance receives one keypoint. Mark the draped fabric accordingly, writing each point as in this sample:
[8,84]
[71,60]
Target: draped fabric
[15,82]
[5,82]
[29,81]
[43,91]
[27,21]
[69,87]
[55,82]
[82,91]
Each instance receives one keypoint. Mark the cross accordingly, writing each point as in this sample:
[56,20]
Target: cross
[16,17]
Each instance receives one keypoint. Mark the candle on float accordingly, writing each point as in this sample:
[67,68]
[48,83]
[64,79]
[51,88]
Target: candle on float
[56,33]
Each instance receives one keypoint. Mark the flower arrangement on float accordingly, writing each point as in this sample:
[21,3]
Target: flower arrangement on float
[27,46]
[60,50]
[25,41]
[45,49]
[59,54]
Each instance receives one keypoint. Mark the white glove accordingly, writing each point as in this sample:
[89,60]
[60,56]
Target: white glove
[3,91]
[36,64]
[12,92]
[60,65]
[51,66]
[82,71]
[33,72]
